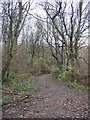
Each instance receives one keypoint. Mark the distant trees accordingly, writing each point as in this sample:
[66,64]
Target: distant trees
[34,39]
[13,19]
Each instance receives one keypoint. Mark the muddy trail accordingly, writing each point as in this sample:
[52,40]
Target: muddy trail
[53,99]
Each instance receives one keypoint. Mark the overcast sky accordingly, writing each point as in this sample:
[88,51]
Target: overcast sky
[38,10]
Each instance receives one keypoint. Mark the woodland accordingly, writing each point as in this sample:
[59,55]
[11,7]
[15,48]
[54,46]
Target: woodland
[44,58]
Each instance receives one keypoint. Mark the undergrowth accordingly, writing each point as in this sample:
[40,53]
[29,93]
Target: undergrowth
[76,85]
[73,80]
[23,85]
[6,99]
[17,85]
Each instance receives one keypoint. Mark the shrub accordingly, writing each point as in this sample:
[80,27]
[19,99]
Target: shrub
[72,79]
[67,74]
[63,76]
[43,64]
[76,85]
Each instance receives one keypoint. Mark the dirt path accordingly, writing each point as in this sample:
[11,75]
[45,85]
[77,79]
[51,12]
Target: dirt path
[53,99]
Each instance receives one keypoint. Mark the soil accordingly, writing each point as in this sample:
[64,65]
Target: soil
[53,99]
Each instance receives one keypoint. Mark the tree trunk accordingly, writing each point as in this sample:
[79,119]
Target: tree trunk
[5,70]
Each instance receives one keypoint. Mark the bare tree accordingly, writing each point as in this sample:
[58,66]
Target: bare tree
[68,29]
[13,19]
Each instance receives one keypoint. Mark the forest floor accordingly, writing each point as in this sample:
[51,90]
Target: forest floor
[53,99]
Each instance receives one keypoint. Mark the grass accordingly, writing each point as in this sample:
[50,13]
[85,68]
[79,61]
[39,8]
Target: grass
[76,85]
[23,85]
[6,99]
[19,84]
[73,82]
[17,89]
